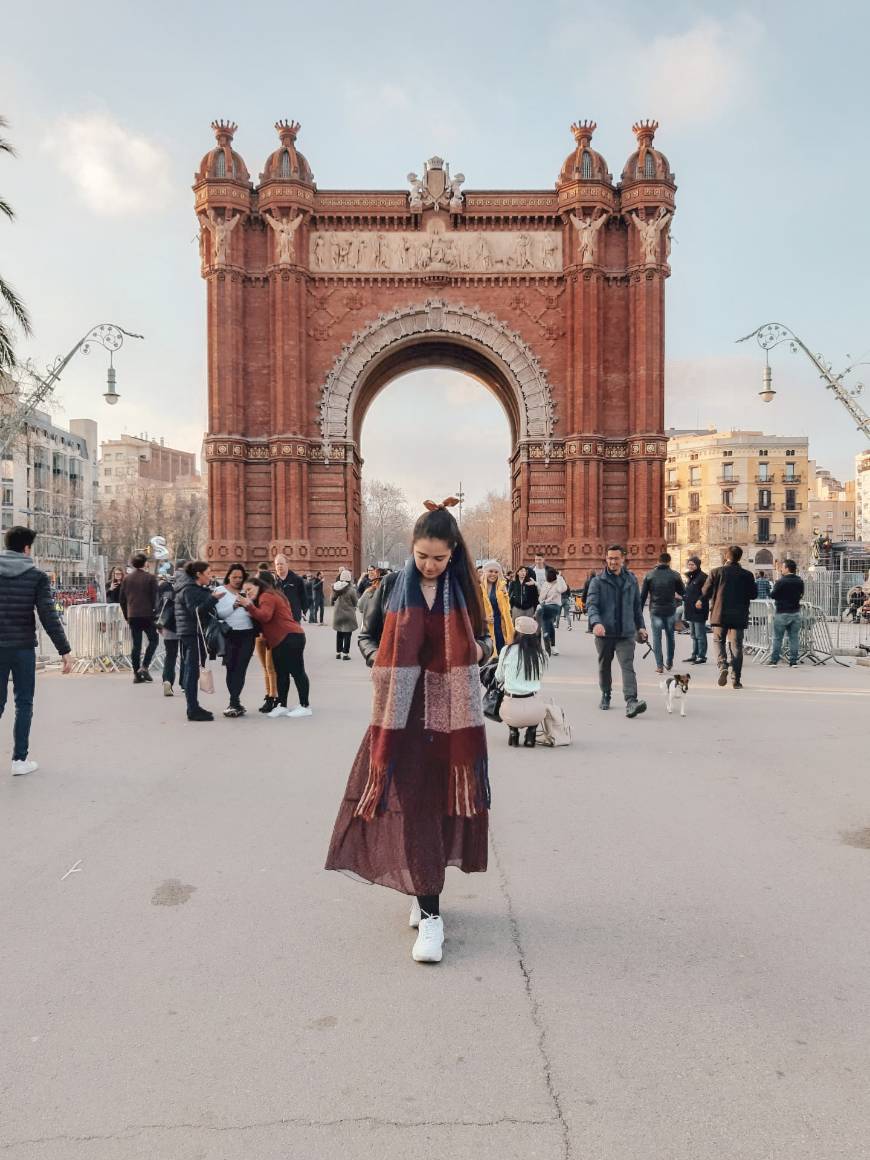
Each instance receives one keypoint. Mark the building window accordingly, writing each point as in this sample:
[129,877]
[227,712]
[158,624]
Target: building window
[694,475]
[789,471]
[285,164]
[762,451]
[8,468]
[727,470]
[671,503]
[790,499]
[764,498]
[649,165]
[586,166]
[107,471]
[6,521]
[671,531]
[727,452]
[694,531]
[789,452]
[220,165]
[694,501]
[672,475]
[694,455]
[764,471]
[764,530]
[728,497]
[790,524]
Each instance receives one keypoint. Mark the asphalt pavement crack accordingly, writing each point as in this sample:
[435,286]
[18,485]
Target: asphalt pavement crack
[131,1131]
[534,1004]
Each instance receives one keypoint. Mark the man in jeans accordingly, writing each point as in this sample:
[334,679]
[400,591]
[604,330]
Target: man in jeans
[787,594]
[616,616]
[139,605]
[696,609]
[730,590]
[662,585]
[23,591]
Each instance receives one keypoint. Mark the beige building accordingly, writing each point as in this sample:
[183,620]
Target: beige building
[737,487]
[862,497]
[832,506]
[135,458]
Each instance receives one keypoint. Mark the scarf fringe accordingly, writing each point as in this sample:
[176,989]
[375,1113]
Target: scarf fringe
[468,790]
[374,796]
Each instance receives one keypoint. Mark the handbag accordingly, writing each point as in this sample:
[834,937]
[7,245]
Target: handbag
[206,676]
[492,700]
[555,730]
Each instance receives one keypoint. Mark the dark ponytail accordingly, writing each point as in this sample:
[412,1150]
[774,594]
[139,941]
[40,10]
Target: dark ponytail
[440,525]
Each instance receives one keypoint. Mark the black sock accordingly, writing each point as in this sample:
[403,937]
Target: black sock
[430,904]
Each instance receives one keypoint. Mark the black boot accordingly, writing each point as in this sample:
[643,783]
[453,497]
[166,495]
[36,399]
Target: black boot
[604,703]
[529,741]
[513,737]
[269,704]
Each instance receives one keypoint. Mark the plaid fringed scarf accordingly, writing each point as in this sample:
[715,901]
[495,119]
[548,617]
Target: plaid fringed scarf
[453,713]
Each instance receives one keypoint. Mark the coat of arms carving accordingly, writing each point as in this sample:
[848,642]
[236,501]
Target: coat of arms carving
[436,189]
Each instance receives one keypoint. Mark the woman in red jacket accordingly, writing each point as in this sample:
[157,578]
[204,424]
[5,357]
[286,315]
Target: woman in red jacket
[285,637]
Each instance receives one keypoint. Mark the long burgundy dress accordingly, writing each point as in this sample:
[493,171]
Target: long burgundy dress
[410,844]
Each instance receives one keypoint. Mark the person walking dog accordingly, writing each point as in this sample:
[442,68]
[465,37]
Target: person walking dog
[730,590]
[616,616]
[418,796]
[24,594]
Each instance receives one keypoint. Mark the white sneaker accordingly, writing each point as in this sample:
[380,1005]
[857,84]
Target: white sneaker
[416,915]
[555,652]
[19,768]
[279,711]
[299,711]
[430,939]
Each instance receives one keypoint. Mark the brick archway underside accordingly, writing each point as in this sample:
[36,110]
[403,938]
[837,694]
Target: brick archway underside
[443,333]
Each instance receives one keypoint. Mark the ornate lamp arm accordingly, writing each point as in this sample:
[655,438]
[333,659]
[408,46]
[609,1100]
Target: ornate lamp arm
[774,334]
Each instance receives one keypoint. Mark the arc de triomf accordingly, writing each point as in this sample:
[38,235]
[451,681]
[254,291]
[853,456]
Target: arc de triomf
[318,298]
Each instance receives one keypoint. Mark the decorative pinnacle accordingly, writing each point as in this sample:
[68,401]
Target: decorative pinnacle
[287,130]
[224,129]
[583,131]
[645,131]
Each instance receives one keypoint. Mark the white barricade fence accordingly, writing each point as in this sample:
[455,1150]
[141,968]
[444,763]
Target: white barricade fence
[828,590]
[100,638]
[815,634]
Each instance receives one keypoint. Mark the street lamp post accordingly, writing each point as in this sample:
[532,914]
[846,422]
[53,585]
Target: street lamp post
[773,334]
[107,335]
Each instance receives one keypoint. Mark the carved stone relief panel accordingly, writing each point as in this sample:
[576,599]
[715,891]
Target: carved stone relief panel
[436,251]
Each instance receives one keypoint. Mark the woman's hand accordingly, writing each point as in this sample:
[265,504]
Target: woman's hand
[243,602]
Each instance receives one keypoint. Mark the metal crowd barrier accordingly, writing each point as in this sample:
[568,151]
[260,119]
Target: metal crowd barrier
[100,639]
[815,634]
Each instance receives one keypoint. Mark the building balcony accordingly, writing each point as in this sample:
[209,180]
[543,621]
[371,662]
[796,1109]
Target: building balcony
[756,539]
[727,480]
[795,507]
[764,507]
[789,479]
[724,509]
[673,485]
[766,478]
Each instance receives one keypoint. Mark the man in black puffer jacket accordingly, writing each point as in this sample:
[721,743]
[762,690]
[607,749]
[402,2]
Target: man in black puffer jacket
[24,591]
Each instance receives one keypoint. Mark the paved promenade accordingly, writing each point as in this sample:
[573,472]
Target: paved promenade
[668,959]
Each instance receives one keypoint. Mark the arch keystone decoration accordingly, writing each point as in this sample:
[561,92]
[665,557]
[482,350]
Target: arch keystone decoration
[437,319]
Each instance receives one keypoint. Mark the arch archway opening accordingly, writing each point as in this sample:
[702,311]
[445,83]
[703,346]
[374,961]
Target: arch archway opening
[429,424]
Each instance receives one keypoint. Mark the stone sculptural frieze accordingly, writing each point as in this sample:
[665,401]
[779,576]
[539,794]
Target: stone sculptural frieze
[412,252]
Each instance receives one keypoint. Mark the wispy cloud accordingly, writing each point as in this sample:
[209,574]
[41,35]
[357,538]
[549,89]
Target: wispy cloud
[115,171]
[687,76]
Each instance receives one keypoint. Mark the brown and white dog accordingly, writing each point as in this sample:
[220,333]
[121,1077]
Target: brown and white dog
[676,689]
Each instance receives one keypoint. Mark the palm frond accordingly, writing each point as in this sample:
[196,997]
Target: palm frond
[7,147]
[7,351]
[15,304]
[6,208]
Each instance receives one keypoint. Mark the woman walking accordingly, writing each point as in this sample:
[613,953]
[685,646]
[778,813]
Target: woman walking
[285,637]
[496,605]
[264,653]
[240,635]
[418,795]
[344,602]
[550,607]
[192,600]
[523,593]
[519,670]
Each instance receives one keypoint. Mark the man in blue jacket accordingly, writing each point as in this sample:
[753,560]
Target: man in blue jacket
[616,616]
[24,591]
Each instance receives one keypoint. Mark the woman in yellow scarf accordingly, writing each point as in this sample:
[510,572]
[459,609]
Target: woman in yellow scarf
[496,604]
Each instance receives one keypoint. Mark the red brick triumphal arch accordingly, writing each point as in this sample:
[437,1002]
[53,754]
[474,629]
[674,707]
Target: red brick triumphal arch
[318,298]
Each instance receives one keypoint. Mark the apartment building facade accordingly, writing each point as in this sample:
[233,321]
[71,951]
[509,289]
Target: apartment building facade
[862,497]
[737,487]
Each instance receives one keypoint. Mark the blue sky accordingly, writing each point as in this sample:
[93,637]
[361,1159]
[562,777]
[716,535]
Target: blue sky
[762,115]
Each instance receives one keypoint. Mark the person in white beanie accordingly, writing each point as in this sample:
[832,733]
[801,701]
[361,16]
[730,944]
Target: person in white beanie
[520,667]
[344,618]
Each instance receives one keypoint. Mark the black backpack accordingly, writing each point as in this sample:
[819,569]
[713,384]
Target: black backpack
[166,615]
